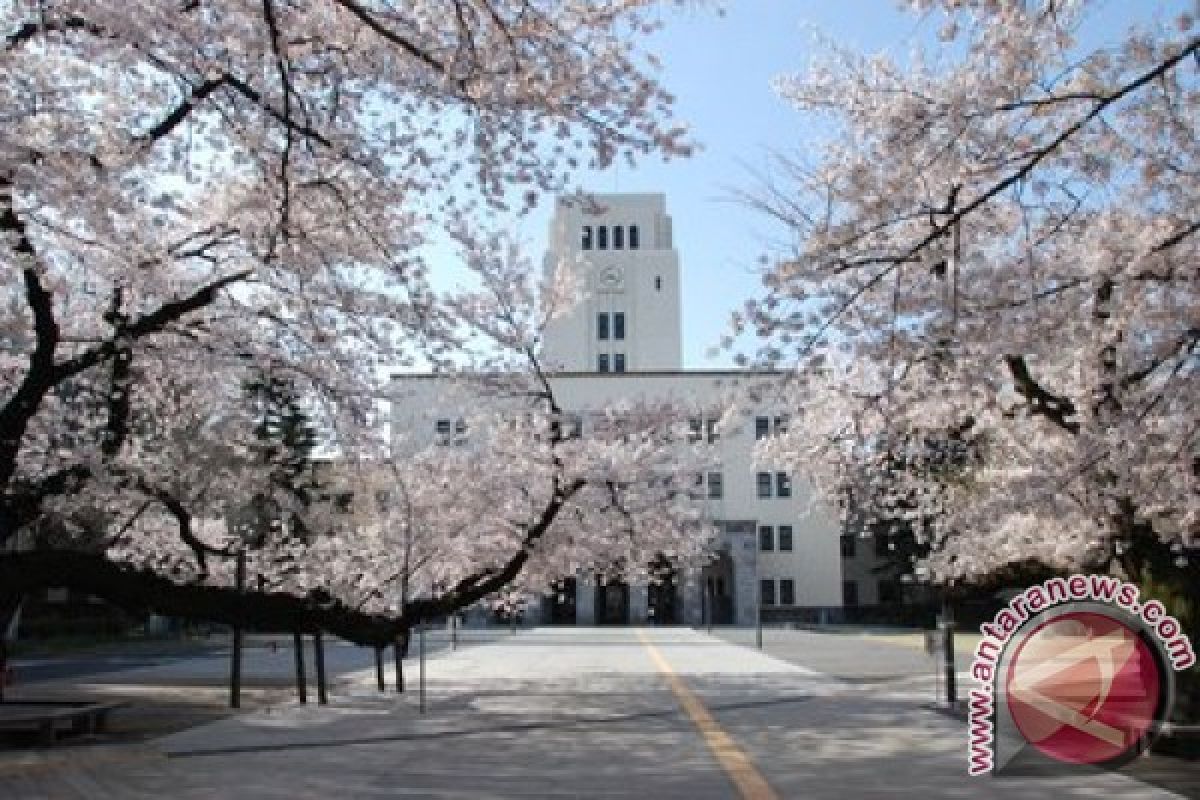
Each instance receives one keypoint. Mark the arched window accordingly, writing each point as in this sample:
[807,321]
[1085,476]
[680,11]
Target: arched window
[618,237]
[633,237]
[602,237]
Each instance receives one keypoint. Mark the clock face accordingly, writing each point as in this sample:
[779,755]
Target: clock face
[611,278]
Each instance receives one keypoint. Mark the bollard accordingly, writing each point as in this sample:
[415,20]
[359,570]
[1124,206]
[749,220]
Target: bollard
[379,669]
[947,626]
[398,654]
[235,666]
[319,647]
[421,644]
[301,680]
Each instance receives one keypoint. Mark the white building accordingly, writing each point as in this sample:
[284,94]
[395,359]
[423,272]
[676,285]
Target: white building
[623,343]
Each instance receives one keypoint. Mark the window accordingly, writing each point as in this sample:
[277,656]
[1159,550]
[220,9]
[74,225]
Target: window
[847,545]
[787,592]
[781,424]
[443,427]
[694,426]
[618,325]
[767,592]
[602,237]
[716,485]
[618,237]
[710,429]
[766,538]
[633,237]
[602,362]
[783,485]
[764,484]
[587,237]
[785,538]
[618,362]
[849,593]
[658,283]
[881,544]
[460,426]
[762,427]
[602,326]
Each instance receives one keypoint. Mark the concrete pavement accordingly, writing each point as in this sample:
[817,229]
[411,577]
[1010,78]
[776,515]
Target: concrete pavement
[574,712]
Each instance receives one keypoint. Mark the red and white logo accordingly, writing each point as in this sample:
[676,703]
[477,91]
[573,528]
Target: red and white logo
[1084,688]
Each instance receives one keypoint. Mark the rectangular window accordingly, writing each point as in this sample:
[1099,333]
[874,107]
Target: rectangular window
[710,429]
[848,545]
[881,544]
[767,590]
[785,538]
[602,362]
[849,593]
[764,484]
[783,485]
[633,237]
[618,237]
[716,485]
[658,283]
[787,592]
[587,237]
[694,427]
[443,427]
[602,237]
[618,327]
[602,326]
[762,427]
[781,424]
[766,538]
[460,426]
[618,362]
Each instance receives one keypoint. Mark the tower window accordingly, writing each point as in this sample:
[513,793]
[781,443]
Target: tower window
[602,237]
[618,362]
[716,485]
[587,237]
[618,325]
[658,282]
[762,427]
[602,325]
[633,237]
[783,485]
[602,362]
[764,484]
[618,237]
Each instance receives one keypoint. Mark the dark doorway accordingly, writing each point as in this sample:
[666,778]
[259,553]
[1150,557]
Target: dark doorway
[612,604]
[718,590]
[662,605]
[562,603]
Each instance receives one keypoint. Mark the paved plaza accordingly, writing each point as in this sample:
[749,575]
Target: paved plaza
[576,712]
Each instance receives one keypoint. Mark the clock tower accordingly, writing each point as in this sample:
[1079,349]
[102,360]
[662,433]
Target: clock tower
[619,250]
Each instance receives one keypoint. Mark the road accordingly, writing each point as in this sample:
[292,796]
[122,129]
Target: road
[578,712]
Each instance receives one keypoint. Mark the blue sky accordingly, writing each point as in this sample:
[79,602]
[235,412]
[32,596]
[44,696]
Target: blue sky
[720,67]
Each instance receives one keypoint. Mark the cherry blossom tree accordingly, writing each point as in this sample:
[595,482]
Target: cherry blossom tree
[208,189]
[1001,241]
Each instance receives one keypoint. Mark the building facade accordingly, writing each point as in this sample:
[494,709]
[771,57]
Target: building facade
[780,551]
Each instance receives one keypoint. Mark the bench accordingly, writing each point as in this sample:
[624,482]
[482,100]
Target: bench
[47,717]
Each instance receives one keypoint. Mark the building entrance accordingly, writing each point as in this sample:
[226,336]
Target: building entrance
[562,603]
[612,603]
[662,595]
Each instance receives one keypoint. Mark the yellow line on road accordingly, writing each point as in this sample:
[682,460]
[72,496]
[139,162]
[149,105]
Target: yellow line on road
[750,783]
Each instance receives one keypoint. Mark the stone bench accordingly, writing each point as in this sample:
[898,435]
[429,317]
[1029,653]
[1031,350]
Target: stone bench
[48,717]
